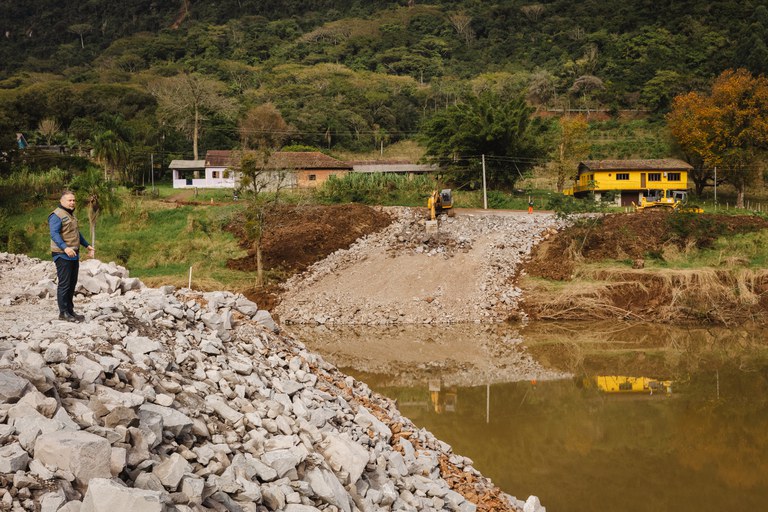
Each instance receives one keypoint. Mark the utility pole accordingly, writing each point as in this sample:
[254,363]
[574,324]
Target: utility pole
[485,193]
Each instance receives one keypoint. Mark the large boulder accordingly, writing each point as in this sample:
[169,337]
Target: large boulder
[106,495]
[83,454]
[12,387]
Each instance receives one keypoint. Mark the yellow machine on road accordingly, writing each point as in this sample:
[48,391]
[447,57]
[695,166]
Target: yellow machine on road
[665,198]
[440,202]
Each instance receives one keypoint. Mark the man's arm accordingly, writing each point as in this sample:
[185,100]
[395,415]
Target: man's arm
[85,243]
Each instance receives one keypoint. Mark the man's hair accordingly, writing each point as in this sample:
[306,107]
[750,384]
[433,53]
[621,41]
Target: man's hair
[66,193]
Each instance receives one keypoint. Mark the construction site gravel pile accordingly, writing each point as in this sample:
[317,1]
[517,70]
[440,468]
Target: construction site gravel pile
[464,273]
[177,400]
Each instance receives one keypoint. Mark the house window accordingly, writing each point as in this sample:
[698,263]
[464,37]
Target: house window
[673,176]
[312,177]
[622,176]
[654,176]
[214,174]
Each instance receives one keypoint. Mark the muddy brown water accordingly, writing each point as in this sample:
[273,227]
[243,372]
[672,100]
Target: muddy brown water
[691,436]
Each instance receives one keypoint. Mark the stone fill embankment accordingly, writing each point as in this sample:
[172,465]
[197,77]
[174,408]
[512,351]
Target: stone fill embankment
[401,275]
[176,400]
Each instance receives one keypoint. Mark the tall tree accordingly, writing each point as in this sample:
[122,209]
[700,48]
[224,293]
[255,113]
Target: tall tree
[48,128]
[728,127]
[97,194]
[586,86]
[110,150]
[187,100]
[264,130]
[685,122]
[572,146]
[80,29]
[541,88]
[499,127]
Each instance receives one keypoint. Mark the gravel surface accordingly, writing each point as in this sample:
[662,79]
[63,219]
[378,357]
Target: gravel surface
[465,273]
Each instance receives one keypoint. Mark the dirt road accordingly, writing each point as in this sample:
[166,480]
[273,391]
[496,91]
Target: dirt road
[401,275]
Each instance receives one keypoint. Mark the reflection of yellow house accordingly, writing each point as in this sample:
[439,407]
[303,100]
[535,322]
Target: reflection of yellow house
[623,384]
[629,179]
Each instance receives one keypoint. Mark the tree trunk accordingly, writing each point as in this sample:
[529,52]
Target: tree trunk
[195,133]
[92,222]
[259,265]
[561,168]
[740,191]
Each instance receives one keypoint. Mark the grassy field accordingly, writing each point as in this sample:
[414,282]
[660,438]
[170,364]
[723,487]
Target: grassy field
[156,239]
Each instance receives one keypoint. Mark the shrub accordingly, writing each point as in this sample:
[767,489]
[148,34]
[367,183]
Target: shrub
[566,206]
[123,253]
[18,241]
[693,226]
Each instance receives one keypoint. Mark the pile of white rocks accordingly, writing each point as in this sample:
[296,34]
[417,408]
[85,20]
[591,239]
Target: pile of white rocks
[39,278]
[175,400]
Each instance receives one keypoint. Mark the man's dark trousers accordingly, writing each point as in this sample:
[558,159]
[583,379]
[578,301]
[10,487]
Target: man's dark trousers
[67,271]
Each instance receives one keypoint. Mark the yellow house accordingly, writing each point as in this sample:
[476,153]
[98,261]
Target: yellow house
[630,179]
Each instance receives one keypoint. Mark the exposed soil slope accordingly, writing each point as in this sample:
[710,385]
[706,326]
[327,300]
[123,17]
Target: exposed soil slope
[726,294]
[298,236]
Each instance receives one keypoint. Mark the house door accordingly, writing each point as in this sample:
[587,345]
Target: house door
[642,180]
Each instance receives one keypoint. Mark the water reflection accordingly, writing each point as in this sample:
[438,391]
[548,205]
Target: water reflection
[624,384]
[584,448]
[677,420]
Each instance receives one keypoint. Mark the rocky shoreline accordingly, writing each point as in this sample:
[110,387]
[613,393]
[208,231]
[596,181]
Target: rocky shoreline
[176,400]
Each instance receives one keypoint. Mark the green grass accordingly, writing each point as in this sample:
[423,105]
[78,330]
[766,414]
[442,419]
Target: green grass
[154,240]
[748,250]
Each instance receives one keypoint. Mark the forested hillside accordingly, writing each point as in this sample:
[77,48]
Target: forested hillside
[351,75]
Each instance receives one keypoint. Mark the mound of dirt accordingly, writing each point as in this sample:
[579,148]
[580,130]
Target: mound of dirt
[631,236]
[298,236]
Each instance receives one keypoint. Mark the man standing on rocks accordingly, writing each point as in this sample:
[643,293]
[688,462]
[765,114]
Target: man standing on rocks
[66,241]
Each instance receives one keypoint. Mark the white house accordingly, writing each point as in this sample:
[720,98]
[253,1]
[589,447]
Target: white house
[220,169]
[188,173]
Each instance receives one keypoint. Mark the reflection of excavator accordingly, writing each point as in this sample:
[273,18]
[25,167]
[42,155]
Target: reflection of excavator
[443,400]
[623,384]
[440,202]
[665,198]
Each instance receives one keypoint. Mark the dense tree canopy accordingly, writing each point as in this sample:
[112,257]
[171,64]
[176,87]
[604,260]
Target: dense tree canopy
[727,128]
[488,125]
[349,75]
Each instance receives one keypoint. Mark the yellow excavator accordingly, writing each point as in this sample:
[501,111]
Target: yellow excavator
[666,198]
[439,203]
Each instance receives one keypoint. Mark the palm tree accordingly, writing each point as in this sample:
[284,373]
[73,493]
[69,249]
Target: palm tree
[97,194]
[110,150]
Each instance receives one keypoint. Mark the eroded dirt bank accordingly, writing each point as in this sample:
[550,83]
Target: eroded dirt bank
[596,271]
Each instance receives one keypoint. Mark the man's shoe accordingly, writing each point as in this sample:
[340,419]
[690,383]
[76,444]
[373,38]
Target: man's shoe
[68,317]
[79,318]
